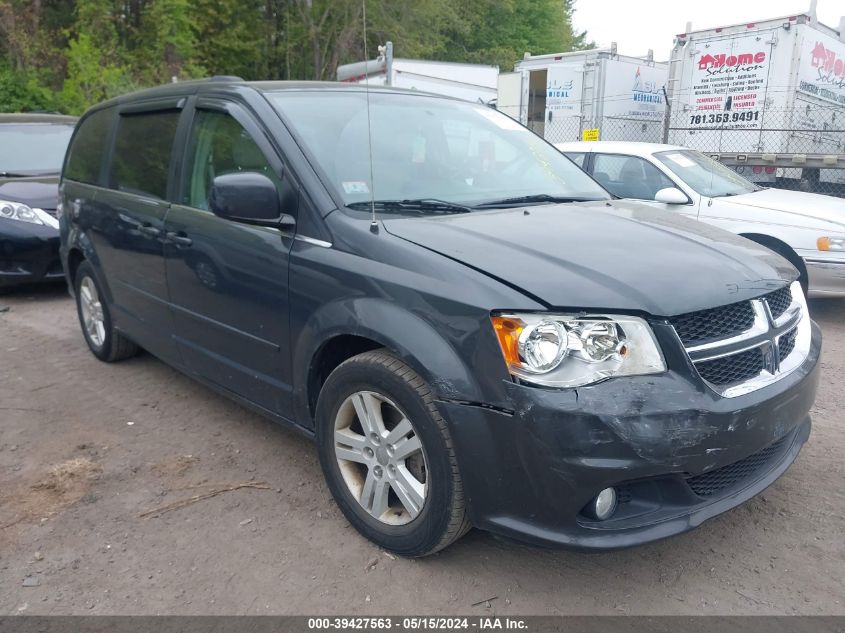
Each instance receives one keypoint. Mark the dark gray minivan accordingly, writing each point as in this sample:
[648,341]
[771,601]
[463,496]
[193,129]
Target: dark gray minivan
[472,329]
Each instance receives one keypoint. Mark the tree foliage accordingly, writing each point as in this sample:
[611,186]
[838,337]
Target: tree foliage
[69,54]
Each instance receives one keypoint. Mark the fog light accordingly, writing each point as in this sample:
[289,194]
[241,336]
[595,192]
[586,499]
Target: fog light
[604,504]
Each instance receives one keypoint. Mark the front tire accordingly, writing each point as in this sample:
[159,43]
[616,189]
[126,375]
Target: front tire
[104,341]
[388,457]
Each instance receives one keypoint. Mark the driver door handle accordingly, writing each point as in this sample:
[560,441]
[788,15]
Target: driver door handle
[179,239]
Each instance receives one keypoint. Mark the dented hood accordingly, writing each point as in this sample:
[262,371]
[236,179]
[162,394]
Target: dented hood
[615,255]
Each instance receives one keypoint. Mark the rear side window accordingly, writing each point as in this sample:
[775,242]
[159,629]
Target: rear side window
[85,155]
[577,158]
[142,149]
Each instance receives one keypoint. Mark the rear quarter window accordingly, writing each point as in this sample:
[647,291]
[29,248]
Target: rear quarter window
[577,158]
[88,148]
[142,149]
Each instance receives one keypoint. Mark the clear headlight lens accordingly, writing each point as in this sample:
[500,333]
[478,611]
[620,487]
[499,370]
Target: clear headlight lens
[20,212]
[559,350]
[543,346]
[831,243]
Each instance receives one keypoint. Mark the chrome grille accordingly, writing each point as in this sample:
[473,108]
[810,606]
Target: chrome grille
[787,343]
[728,370]
[779,301]
[696,328]
[746,345]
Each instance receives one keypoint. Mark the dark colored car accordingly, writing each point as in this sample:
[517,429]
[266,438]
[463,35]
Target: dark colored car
[474,332]
[33,148]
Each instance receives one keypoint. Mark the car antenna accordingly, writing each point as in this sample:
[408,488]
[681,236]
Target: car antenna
[374,222]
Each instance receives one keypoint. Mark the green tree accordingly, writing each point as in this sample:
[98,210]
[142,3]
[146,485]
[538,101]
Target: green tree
[500,31]
[95,68]
[23,92]
[89,78]
[70,54]
[233,38]
[167,47]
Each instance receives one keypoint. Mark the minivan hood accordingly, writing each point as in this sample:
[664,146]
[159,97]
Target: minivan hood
[799,203]
[36,191]
[603,256]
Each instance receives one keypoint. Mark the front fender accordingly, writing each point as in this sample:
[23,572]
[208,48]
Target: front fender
[410,337]
[797,232]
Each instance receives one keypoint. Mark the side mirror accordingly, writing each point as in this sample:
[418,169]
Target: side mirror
[248,197]
[671,195]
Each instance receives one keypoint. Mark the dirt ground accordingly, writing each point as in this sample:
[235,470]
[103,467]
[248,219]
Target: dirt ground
[86,448]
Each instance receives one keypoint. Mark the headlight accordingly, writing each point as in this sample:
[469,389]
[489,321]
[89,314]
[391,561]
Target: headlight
[559,350]
[831,243]
[18,211]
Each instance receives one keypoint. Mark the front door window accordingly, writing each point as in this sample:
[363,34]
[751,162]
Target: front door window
[220,145]
[629,176]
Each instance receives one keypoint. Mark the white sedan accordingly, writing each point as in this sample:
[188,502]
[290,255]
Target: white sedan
[806,228]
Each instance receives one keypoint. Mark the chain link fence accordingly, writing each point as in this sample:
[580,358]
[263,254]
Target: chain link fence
[613,129]
[801,148]
[560,130]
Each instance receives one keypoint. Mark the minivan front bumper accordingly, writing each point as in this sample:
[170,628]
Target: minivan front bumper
[676,452]
[29,253]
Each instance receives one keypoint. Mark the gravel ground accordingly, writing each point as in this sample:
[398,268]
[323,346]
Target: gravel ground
[87,448]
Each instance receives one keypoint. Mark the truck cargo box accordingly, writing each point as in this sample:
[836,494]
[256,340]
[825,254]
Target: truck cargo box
[598,92]
[470,82]
[771,87]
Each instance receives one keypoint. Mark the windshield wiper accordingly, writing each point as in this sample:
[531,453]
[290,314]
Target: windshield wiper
[13,174]
[539,198]
[421,205]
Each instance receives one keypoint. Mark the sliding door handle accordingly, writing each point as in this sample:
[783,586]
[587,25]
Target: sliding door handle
[179,239]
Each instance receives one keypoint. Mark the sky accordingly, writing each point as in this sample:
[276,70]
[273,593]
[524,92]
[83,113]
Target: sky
[638,25]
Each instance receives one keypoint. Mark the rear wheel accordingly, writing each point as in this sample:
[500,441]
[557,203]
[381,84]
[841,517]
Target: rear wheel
[104,341]
[387,456]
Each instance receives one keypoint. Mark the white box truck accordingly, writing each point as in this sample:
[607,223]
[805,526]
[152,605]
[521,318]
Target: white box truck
[768,93]
[598,92]
[470,82]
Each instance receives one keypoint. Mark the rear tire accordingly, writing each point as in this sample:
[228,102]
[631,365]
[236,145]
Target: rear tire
[388,457]
[104,341]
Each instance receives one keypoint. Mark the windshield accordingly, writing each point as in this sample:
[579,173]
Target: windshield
[428,148]
[37,148]
[707,176]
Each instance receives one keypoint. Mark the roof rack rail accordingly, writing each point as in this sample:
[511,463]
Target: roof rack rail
[225,78]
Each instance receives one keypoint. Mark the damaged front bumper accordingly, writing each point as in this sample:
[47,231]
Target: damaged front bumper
[676,452]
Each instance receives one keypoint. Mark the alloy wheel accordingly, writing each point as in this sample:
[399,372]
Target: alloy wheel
[381,458]
[92,312]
